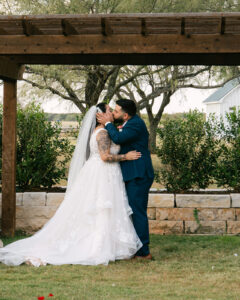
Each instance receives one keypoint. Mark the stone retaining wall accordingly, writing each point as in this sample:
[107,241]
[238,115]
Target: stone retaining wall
[168,213]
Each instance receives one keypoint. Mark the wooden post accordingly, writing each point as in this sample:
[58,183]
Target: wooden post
[9,158]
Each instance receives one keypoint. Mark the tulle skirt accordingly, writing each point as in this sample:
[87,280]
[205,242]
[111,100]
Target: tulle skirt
[91,226]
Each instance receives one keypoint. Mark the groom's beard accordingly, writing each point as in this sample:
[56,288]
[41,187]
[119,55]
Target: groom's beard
[118,122]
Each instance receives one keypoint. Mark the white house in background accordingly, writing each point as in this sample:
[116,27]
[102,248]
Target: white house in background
[225,99]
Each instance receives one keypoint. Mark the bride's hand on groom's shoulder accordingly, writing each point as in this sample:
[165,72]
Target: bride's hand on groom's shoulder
[133,155]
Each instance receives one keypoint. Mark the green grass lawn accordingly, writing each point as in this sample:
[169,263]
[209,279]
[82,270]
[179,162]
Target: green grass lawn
[185,267]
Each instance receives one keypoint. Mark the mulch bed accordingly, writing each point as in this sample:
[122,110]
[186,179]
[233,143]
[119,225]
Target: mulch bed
[58,189]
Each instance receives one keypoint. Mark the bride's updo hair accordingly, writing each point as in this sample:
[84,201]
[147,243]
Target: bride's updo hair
[102,107]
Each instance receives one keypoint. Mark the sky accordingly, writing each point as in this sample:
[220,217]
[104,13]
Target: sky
[183,101]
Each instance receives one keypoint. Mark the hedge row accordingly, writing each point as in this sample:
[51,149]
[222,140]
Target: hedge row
[196,153]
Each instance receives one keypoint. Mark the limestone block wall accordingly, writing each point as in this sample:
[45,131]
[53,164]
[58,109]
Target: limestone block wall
[167,213]
[194,213]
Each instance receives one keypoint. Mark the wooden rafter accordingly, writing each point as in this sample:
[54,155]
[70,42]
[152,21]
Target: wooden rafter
[68,28]
[144,27]
[30,29]
[222,23]
[204,23]
[106,27]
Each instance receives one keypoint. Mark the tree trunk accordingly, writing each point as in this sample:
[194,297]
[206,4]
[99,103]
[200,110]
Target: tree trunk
[152,136]
[154,121]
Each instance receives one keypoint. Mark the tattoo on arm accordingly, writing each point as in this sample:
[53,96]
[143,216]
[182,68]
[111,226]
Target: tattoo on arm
[104,144]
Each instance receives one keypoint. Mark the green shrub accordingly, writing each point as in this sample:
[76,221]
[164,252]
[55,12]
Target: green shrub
[228,168]
[188,152]
[39,147]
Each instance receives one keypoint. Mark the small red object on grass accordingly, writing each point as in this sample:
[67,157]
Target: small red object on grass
[41,298]
[50,295]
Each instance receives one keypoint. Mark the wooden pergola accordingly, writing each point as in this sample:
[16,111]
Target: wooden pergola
[168,39]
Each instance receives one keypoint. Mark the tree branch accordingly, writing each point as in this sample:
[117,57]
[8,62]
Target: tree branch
[191,75]
[55,92]
[72,95]
[112,82]
[205,86]
[130,79]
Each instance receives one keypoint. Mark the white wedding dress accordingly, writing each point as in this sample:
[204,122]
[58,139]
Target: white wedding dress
[91,226]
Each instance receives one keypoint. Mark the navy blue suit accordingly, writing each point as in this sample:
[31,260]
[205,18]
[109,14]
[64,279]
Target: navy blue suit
[137,174]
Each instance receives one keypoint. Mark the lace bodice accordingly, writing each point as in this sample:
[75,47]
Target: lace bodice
[114,149]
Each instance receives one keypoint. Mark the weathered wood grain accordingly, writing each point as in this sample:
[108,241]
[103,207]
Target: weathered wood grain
[118,44]
[183,23]
[9,69]
[9,158]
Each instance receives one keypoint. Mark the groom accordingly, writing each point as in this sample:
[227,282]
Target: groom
[137,174]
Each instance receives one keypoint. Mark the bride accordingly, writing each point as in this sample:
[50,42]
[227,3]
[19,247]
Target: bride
[93,224]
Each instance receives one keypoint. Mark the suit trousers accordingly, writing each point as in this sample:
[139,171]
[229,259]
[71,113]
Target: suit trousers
[137,192]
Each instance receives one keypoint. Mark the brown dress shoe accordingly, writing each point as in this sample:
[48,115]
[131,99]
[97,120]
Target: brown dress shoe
[148,257]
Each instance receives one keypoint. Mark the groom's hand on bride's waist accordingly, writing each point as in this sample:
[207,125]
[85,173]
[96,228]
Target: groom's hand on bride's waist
[104,118]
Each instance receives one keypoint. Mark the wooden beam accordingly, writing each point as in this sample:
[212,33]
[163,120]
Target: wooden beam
[230,59]
[9,158]
[120,44]
[9,69]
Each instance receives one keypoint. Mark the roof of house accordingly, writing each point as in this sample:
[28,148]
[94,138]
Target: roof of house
[223,91]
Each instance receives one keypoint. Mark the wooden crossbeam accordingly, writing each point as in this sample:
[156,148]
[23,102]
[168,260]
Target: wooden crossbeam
[230,59]
[118,44]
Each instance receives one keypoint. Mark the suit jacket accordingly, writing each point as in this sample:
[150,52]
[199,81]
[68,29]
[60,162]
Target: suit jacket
[134,136]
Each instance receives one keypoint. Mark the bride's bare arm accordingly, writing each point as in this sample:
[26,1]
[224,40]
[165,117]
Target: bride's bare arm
[104,144]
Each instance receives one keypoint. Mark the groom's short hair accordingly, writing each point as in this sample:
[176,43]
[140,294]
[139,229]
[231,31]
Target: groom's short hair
[127,106]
